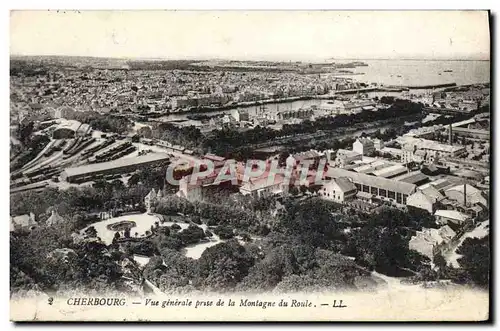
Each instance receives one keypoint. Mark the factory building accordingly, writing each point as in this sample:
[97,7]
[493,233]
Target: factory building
[419,150]
[379,187]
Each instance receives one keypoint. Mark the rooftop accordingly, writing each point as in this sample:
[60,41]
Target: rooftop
[120,163]
[344,184]
[69,125]
[347,152]
[412,177]
[22,220]
[453,214]
[390,171]
[432,193]
[429,144]
[384,183]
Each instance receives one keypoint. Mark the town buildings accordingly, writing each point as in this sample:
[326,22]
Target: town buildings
[339,190]
[345,157]
[427,198]
[445,217]
[151,199]
[423,150]
[384,189]
[364,146]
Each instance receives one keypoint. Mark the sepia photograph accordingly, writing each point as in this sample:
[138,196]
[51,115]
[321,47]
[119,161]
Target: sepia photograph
[321,165]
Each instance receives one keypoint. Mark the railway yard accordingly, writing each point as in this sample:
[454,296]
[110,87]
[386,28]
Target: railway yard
[46,167]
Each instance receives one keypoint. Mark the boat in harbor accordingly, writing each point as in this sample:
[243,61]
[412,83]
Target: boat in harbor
[199,117]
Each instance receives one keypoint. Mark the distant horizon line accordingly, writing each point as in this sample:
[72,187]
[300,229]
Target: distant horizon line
[250,60]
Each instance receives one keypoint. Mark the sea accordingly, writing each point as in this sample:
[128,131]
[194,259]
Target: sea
[420,72]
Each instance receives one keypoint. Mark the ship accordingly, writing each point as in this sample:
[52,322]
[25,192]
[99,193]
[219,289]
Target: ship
[448,70]
[198,117]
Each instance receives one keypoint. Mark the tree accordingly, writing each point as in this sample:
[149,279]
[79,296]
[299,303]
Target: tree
[192,235]
[164,230]
[222,266]
[196,220]
[25,131]
[133,180]
[116,237]
[475,260]
[315,231]
[294,191]
[279,262]
[145,132]
[246,237]
[175,227]
[91,232]
[224,232]
[144,247]
[440,263]
[171,242]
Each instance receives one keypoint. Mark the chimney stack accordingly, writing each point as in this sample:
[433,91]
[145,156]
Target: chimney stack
[450,131]
[465,194]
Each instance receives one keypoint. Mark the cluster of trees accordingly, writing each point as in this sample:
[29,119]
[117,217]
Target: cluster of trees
[31,146]
[475,260]
[445,120]
[227,141]
[105,123]
[166,237]
[48,260]
[312,245]
[329,250]
[102,196]
[232,213]
[381,243]
[189,137]
[77,203]
[475,263]
[233,143]
[279,263]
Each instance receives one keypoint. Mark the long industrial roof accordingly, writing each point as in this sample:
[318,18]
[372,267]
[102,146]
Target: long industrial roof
[384,183]
[393,170]
[120,163]
[412,177]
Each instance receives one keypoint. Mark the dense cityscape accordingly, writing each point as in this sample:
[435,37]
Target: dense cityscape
[403,196]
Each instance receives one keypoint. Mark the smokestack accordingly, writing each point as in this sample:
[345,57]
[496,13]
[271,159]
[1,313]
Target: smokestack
[450,135]
[465,194]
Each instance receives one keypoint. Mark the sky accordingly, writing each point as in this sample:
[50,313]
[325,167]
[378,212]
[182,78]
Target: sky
[253,35]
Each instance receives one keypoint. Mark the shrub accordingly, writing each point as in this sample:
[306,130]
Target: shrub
[224,232]
[196,220]
[192,235]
